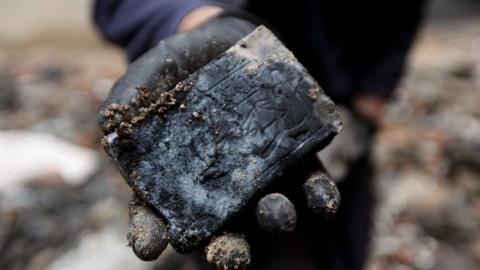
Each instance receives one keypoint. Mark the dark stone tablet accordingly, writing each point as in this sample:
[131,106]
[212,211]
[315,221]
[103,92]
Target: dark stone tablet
[198,152]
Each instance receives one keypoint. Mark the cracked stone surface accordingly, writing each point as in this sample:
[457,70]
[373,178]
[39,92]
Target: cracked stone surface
[228,131]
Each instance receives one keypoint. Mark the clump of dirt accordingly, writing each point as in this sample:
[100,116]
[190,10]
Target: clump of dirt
[112,114]
[121,118]
[313,93]
[197,116]
[229,251]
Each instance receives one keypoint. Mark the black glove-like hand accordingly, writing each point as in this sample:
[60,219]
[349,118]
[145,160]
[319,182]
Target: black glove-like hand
[162,68]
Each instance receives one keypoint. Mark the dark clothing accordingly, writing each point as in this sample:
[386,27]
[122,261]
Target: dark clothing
[350,47]
[138,25]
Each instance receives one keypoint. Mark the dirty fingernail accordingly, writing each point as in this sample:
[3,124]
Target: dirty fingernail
[276,214]
[322,194]
[147,233]
[229,251]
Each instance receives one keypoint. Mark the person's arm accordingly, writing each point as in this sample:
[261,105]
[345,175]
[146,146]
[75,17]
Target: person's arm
[383,37]
[138,25]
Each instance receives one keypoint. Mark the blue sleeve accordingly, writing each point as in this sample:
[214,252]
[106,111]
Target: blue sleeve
[138,25]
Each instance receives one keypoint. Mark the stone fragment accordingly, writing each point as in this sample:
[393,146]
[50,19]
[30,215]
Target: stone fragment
[201,150]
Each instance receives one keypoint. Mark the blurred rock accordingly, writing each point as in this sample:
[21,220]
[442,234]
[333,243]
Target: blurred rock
[101,250]
[8,91]
[27,156]
[101,87]
[52,73]
[429,165]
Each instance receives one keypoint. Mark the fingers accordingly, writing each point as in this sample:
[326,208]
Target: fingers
[322,194]
[147,233]
[276,214]
[229,251]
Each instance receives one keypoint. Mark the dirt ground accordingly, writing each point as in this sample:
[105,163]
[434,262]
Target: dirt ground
[54,216]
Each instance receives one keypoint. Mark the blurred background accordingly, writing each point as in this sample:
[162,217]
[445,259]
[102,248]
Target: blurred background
[63,205]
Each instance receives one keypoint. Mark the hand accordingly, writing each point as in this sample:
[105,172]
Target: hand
[198,16]
[275,214]
[161,69]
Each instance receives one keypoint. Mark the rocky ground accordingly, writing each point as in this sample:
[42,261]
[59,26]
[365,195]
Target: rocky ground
[428,162]
[54,215]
